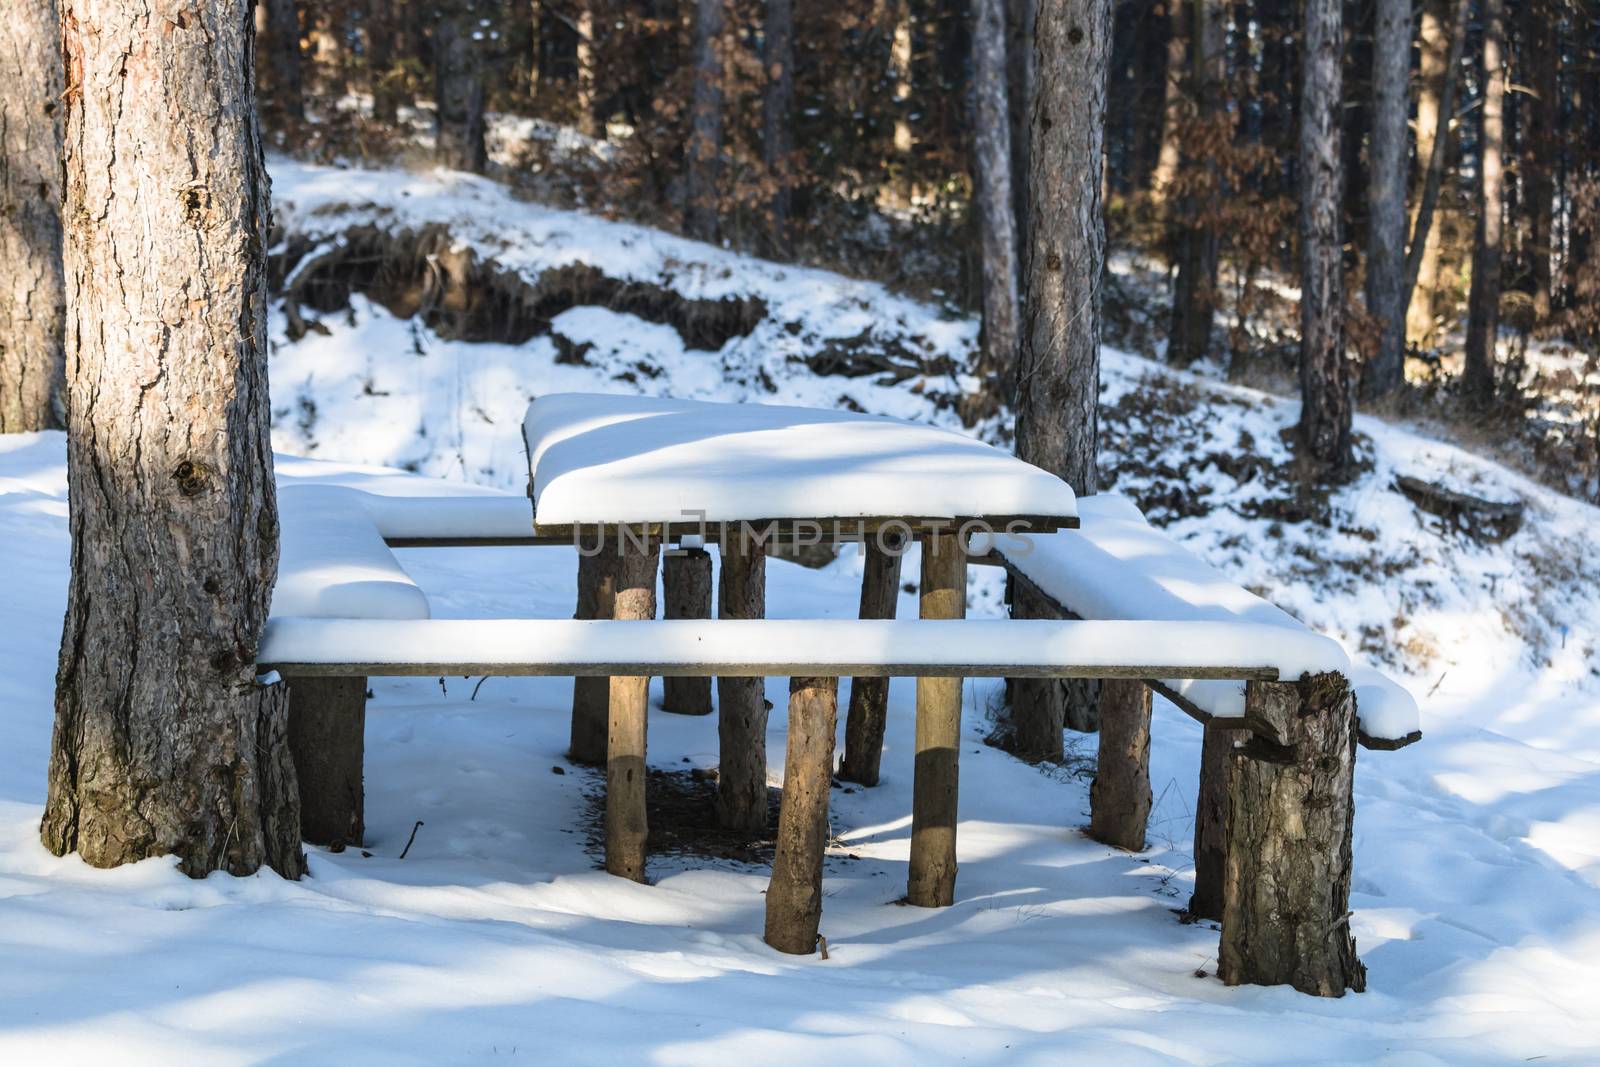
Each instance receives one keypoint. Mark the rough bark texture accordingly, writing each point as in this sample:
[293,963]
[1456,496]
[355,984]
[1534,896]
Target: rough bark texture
[327,721]
[626,825]
[1483,300]
[1211,820]
[1541,109]
[1058,373]
[991,154]
[1119,799]
[686,588]
[1177,70]
[777,125]
[1286,889]
[1386,196]
[869,697]
[32,290]
[1326,401]
[794,896]
[164,743]
[591,697]
[283,59]
[703,154]
[932,881]
[1036,707]
[742,702]
[1019,94]
[458,87]
[1441,47]
[1194,288]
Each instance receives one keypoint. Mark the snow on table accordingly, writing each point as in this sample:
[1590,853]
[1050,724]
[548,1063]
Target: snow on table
[333,562]
[620,459]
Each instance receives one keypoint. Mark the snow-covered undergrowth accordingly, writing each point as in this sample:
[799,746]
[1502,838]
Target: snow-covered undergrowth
[1477,852]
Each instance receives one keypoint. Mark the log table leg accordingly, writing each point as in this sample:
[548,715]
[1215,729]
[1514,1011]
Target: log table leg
[1119,798]
[686,590]
[1038,706]
[742,702]
[869,697]
[794,896]
[1286,887]
[1211,819]
[327,723]
[932,882]
[626,825]
[591,696]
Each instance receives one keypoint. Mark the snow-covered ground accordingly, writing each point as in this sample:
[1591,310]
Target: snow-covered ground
[1477,852]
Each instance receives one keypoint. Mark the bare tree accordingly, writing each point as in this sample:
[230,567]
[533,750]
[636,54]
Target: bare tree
[1194,284]
[458,79]
[32,291]
[1483,300]
[703,162]
[777,107]
[996,218]
[1386,196]
[165,742]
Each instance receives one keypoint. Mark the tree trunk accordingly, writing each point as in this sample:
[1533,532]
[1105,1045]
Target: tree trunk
[1211,820]
[996,219]
[1177,70]
[742,702]
[686,587]
[1119,798]
[591,697]
[932,881]
[869,697]
[1386,196]
[1286,891]
[1326,403]
[164,741]
[327,722]
[794,896]
[1194,290]
[777,129]
[587,73]
[1036,709]
[1483,299]
[900,58]
[1434,107]
[1541,45]
[32,290]
[626,824]
[1019,93]
[703,154]
[380,60]
[458,93]
[1058,384]
[283,59]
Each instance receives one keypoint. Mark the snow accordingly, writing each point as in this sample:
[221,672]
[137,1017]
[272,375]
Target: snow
[979,644]
[333,563]
[598,459]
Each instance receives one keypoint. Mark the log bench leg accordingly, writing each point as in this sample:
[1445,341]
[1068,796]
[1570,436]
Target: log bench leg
[869,697]
[327,722]
[591,696]
[1286,885]
[932,881]
[1037,706]
[1119,798]
[686,591]
[742,702]
[794,896]
[1211,820]
[626,825]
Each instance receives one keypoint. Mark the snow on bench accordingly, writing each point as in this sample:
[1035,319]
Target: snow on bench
[1117,566]
[333,562]
[624,459]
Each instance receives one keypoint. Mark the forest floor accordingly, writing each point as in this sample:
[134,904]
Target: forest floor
[1477,851]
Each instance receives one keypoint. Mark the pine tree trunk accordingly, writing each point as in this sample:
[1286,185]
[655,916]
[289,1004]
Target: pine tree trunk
[1019,93]
[687,590]
[32,290]
[587,74]
[1483,300]
[1386,196]
[1058,382]
[1194,290]
[1325,394]
[742,702]
[777,127]
[869,697]
[380,59]
[1542,47]
[794,896]
[1432,123]
[703,154]
[458,88]
[992,164]
[283,59]
[164,741]
[1177,71]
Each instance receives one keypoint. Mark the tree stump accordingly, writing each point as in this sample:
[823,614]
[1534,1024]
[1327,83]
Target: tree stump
[591,697]
[626,825]
[794,896]
[932,881]
[1119,798]
[686,590]
[1286,885]
[327,725]
[869,697]
[742,702]
[1211,820]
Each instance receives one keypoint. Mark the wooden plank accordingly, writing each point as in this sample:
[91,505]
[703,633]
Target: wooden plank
[766,669]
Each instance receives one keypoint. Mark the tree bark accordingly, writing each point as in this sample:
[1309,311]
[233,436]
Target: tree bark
[996,219]
[1441,63]
[327,722]
[458,88]
[164,741]
[1386,196]
[626,823]
[1019,92]
[1326,403]
[1058,383]
[742,702]
[1211,820]
[703,154]
[777,127]
[1119,798]
[794,895]
[1483,298]
[1286,891]
[591,697]
[869,697]
[32,290]
[1036,707]
[932,881]
[283,59]
[1177,72]
[587,74]
[686,586]
[1194,289]
[380,59]
[1541,45]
